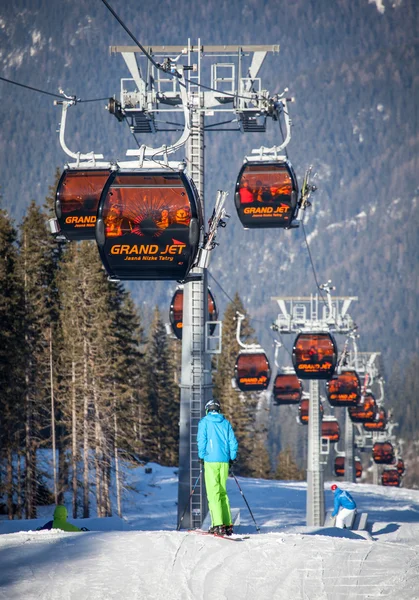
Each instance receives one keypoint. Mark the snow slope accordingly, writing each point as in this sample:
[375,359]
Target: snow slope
[143,556]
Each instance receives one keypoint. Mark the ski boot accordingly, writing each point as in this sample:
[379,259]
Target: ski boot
[229,530]
[217,530]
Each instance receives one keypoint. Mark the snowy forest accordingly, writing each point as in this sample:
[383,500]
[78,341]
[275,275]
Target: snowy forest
[87,366]
[81,374]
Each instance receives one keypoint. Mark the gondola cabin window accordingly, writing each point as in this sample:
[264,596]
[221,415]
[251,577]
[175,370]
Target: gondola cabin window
[383,453]
[303,411]
[344,389]
[330,430]
[339,467]
[365,411]
[379,423]
[314,355]
[77,201]
[176,312]
[390,477]
[266,194]
[148,225]
[252,371]
[288,389]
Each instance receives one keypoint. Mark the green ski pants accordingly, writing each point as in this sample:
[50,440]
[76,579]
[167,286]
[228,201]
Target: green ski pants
[216,474]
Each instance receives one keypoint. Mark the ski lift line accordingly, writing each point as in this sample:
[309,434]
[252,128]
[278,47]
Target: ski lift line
[28,87]
[220,286]
[172,74]
[314,270]
[93,100]
[150,58]
[34,89]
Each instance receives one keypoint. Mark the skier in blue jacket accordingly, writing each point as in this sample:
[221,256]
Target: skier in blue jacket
[217,447]
[344,507]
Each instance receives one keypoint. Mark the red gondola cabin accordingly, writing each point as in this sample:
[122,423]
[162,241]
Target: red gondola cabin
[330,430]
[176,312]
[344,389]
[252,371]
[303,411]
[314,355]
[77,201]
[400,466]
[365,411]
[266,194]
[383,453]
[379,423]
[288,389]
[390,477]
[148,225]
[339,467]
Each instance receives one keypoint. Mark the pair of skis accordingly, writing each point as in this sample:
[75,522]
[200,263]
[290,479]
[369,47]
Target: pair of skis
[232,538]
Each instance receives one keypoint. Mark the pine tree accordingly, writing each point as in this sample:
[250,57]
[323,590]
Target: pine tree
[287,469]
[11,366]
[161,427]
[36,269]
[260,465]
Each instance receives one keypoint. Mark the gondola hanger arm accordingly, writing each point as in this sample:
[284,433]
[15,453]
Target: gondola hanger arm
[148,151]
[91,156]
[240,318]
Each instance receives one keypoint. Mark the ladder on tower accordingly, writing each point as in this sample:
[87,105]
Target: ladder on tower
[196,408]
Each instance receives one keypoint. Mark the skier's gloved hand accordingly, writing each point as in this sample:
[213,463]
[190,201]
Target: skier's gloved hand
[232,462]
[201,460]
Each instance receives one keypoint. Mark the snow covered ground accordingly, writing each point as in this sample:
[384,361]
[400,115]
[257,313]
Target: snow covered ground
[143,556]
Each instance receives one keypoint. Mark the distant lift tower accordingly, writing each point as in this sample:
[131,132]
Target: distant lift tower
[234,88]
[369,368]
[306,314]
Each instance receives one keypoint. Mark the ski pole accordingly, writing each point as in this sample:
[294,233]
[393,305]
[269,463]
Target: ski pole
[247,504]
[189,499]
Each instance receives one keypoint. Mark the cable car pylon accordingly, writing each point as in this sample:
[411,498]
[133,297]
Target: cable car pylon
[303,315]
[155,90]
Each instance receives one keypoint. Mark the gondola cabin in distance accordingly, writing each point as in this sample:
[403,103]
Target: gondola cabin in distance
[288,389]
[344,389]
[339,467]
[365,411]
[252,371]
[330,429]
[391,478]
[314,355]
[176,312]
[379,423]
[149,223]
[383,453]
[266,194]
[77,201]
[304,411]
[400,466]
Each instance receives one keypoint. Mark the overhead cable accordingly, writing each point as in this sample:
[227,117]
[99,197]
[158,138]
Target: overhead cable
[28,87]
[34,89]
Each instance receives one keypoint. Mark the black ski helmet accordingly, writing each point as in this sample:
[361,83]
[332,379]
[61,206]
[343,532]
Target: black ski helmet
[212,406]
